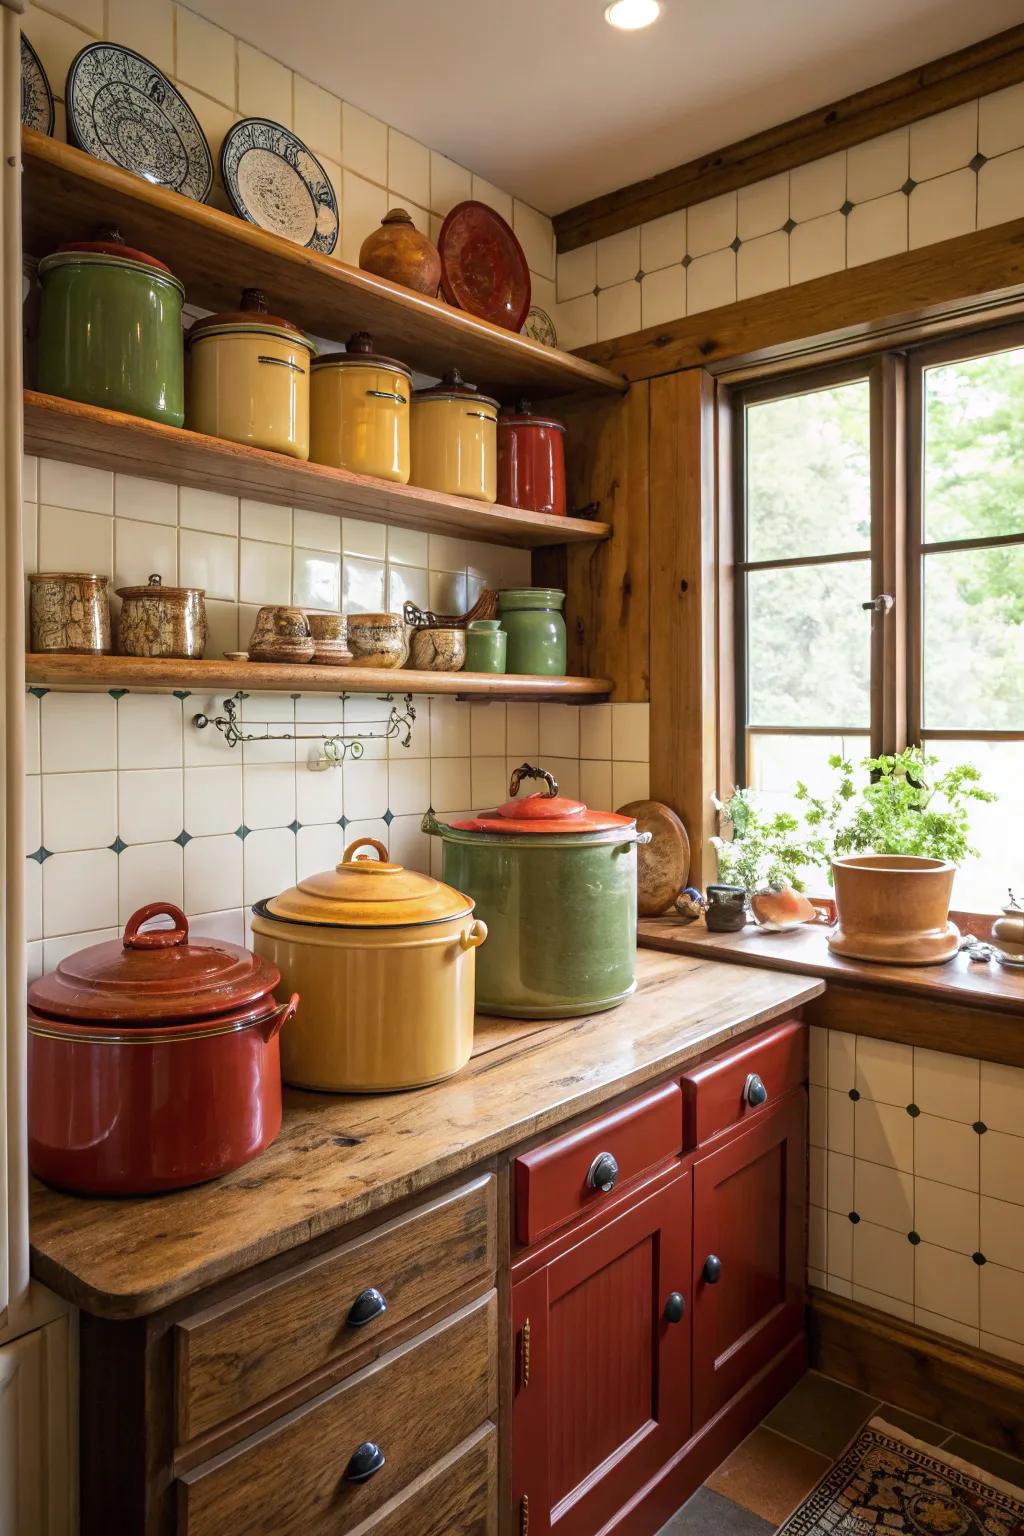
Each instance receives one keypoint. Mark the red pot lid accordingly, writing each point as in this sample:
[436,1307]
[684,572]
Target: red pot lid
[156,977]
[109,241]
[545,812]
[251,314]
[525,416]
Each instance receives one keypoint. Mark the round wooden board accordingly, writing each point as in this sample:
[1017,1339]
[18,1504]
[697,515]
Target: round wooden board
[663,864]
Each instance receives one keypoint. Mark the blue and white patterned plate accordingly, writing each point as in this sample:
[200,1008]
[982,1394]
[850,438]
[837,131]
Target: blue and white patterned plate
[275,182]
[122,109]
[36,96]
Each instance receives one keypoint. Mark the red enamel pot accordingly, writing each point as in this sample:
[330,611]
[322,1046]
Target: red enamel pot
[153,1061]
[531,461]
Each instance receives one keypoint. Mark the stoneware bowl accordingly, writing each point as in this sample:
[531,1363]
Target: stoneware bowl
[281,634]
[438,650]
[330,642]
[378,639]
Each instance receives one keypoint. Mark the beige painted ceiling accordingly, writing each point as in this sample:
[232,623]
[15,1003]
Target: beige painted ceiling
[543,98]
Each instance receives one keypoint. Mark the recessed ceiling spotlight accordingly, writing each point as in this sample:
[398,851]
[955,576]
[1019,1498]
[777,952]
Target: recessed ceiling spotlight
[632,15]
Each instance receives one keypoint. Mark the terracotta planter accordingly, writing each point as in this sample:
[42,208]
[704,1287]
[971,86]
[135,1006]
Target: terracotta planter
[894,908]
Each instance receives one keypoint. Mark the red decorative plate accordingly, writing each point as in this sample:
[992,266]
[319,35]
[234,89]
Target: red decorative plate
[483,269]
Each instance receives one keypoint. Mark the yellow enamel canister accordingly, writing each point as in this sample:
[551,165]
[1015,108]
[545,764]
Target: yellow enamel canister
[359,411]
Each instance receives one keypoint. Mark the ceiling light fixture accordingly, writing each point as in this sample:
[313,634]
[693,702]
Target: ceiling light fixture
[632,15]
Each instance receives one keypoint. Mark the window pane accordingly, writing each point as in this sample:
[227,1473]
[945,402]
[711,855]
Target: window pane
[973,670]
[776,763]
[809,474]
[997,830]
[809,645]
[974,447]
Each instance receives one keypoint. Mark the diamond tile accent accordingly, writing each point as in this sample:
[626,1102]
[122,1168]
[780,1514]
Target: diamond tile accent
[182,693]
[979,1127]
[293,826]
[734,245]
[38,693]
[979,1259]
[117,693]
[242,831]
[846,209]
[687,260]
[978,161]
[913,1111]
[908,186]
[183,837]
[41,854]
[343,822]
[854,1217]
[640,276]
[789,226]
[596,291]
[117,846]
[913,1237]
[388,817]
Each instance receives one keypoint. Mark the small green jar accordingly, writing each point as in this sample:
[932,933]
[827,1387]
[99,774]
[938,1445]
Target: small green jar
[485,646]
[110,330]
[532,619]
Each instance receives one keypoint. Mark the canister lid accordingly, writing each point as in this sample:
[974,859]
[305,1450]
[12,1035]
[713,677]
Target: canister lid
[156,977]
[251,316]
[155,588]
[523,415]
[545,811]
[359,353]
[108,247]
[453,387]
[368,893]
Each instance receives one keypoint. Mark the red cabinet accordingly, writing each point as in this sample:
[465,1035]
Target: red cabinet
[748,1252]
[602,1389]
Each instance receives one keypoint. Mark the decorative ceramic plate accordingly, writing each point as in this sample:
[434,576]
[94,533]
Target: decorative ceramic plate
[122,109]
[36,96]
[540,327]
[483,269]
[274,181]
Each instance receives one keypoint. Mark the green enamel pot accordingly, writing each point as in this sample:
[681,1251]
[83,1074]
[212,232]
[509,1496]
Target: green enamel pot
[532,619]
[110,330]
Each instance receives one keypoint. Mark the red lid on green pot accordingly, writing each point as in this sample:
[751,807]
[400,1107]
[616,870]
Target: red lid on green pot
[109,241]
[545,811]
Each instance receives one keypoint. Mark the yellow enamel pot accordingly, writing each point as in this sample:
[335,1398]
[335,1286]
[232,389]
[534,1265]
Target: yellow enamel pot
[359,412]
[455,439]
[248,378]
[385,960]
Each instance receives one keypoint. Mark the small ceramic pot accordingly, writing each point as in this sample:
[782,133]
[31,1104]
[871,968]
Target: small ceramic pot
[282,634]
[486,643]
[162,621]
[330,639]
[69,611]
[378,639]
[894,908]
[399,252]
[726,909]
[532,619]
[1008,930]
[438,650]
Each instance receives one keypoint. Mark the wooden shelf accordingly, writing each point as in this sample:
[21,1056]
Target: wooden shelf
[87,434]
[66,193]
[200,676]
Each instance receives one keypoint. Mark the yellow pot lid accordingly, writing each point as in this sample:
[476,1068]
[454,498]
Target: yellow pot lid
[369,893]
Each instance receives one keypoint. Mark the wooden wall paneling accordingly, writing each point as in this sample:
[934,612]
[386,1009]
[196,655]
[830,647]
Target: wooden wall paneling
[964,1389]
[971,279]
[987,65]
[684,747]
[607,608]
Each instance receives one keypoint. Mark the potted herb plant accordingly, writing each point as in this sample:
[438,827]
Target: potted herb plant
[766,858]
[892,843]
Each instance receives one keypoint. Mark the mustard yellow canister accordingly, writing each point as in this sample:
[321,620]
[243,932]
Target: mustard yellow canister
[386,962]
[455,439]
[359,411]
[248,378]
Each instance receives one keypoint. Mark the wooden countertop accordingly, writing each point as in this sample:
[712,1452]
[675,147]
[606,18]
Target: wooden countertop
[340,1157]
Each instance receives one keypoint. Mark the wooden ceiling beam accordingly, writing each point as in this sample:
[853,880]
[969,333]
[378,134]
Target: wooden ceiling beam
[986,66]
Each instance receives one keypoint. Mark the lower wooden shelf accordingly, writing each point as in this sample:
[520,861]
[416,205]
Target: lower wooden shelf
[200,676]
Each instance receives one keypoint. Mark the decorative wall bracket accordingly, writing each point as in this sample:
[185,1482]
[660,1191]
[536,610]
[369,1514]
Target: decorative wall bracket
[335,747]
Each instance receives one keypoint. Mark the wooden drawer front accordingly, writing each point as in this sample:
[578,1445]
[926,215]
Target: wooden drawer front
[242,1350]
[714,1093]
[417,1404]
[457,1497]
[551,1181]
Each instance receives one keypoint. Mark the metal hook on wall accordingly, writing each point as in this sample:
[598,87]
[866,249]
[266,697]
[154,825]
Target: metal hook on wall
[336,745]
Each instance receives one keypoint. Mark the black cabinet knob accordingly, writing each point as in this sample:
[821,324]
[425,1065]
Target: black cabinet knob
[754,1091]
[604,1170]
[365,1461]
[367,1305]
[712,1270]
[675,1307]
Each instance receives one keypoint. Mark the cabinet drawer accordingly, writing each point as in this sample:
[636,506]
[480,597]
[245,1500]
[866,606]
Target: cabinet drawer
[242,1350]
[552,1181]
[457,1497]
[416,1404]
[716,1093]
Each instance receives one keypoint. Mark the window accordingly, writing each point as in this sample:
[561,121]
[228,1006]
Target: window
[879,577]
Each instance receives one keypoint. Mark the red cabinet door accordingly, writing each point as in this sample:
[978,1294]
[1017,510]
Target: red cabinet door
[602,1374]
[748,1253]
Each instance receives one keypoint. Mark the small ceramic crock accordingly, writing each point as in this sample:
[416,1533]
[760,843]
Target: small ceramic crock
[486,643]
[329,632]
[438,650]
[378,639]
[281,633]
[69,611]
[532,619]
[162,621]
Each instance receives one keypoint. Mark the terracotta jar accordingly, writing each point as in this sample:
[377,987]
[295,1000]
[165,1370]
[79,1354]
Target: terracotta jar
[162,621]
[894,908]
[399,252]
[69,611]
[531,461]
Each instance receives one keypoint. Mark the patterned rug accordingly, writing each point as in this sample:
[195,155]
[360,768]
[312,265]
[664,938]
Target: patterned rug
[889,1484]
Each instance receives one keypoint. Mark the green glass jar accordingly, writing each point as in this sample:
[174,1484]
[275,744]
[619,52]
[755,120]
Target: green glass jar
[532,619]
[485,646]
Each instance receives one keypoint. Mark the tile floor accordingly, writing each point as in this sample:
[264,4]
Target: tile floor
[776,1467]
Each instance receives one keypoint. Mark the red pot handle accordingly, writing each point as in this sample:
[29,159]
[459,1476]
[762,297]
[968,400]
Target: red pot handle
[158,938]
[270,1027]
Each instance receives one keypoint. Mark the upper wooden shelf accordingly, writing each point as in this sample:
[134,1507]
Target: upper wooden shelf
[87,434]
[54,670]
[66,193]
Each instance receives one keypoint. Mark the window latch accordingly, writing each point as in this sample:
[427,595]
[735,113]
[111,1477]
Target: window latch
[880,604]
